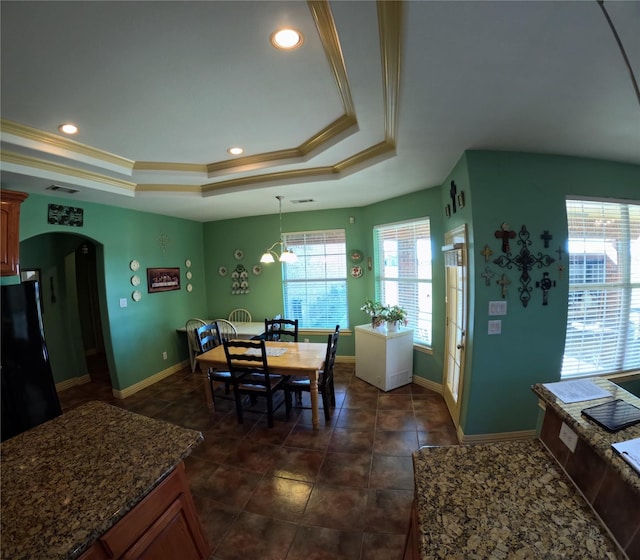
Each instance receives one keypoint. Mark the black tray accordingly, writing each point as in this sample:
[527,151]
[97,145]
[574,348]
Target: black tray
[613,415]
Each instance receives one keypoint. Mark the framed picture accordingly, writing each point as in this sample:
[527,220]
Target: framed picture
[163,279]
[447,210]
[460,198]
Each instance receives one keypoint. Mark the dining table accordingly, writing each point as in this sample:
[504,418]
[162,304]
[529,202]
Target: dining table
[298,358]
[243,330]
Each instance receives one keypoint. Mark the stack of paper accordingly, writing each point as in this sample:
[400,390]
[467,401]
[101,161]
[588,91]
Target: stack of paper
[630,452]
[576,390]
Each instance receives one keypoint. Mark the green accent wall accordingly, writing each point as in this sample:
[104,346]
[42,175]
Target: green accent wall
[523,189]
[499,187]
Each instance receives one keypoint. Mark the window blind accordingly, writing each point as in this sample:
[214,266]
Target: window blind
[403,272]
[603,324]
[315,287]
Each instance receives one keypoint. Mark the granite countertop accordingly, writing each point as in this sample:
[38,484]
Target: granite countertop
[69,480]
[506,500]
[598,438]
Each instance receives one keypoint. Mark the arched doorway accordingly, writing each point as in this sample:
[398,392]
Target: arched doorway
[71,268]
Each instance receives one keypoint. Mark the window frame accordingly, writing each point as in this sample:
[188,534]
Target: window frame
[594,295]
[426,282]
[335,260]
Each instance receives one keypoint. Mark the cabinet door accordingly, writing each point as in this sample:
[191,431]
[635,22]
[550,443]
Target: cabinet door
[9,232]
[170,537]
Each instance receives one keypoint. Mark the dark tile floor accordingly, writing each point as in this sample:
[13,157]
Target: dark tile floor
[289,492]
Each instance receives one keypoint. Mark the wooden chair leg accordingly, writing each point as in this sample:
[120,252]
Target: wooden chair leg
[238,406]
[325,405]
[287,402]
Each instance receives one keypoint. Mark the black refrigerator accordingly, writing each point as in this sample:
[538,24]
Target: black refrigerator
[28,391]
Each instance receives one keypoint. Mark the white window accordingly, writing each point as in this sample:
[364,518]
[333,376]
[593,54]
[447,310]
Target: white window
[603,324]
[315,287]
[403,272]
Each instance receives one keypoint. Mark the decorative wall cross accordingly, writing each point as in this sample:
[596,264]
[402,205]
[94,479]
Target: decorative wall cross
[486,253]
[524,261]
[452,194]
[545,285]
[487,275]
[504,234]
[546,237]
[503,282]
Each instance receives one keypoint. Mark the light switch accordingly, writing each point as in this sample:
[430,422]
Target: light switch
[123,302]
[497,308]
[495,327]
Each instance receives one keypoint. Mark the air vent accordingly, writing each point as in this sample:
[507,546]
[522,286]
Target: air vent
[302,201]
[62,189]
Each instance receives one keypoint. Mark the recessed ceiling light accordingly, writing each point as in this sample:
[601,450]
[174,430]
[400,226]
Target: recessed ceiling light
[286,39]
[235,151]
[68,128]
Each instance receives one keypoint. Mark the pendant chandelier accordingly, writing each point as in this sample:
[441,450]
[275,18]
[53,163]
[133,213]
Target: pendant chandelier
[286,256]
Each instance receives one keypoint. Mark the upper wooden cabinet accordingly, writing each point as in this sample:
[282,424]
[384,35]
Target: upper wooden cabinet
[10,231]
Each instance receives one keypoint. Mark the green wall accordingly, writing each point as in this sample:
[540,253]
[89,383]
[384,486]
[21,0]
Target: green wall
[136,335]
[499,187]
[524,189]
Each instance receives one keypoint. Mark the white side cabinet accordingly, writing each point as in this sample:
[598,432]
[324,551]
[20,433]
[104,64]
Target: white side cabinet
[384,359]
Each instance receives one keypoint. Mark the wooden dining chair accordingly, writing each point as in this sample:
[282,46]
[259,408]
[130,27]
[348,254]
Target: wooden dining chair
[227,329]
[283,330]
[240,316]
[191,326]
[247,362]
[326,385]
[208,337]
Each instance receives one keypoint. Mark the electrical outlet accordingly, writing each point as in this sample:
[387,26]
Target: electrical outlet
[568,437]
[123,302]
[306,340]
[164,355]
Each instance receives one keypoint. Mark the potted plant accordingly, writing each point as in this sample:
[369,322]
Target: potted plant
[394,315]
[375,310]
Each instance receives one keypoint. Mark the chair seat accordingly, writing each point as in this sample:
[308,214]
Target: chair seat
[246,385]
[219,375]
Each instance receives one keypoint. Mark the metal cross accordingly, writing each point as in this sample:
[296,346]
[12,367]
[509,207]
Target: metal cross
[560,250]
[452,194]
[524,261]
[503,282]
[487,275]
[163,239]
[546,237]
[486,253]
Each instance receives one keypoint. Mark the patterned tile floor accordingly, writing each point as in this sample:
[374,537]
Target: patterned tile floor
[343,492]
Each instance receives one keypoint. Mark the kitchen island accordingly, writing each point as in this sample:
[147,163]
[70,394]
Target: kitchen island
[99,482]
[506,500]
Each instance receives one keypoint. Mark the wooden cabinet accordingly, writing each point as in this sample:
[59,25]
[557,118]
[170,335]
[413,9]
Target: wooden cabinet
[411,551]
[163,526]
[10,231]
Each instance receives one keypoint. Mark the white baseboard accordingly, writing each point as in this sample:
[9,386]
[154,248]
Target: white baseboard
[132,389]
[428,384]
[68,383]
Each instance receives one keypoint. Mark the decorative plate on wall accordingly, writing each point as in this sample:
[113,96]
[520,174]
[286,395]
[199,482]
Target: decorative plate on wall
[136,296]
[187,263]
[135,280]
[257,270]
[356,256]
[188,275]
[134,265]
[356,271]
[238,254]
[222,271]
[189,287]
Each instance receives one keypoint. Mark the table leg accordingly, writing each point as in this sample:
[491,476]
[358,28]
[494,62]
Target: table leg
[208,399]
[313,383]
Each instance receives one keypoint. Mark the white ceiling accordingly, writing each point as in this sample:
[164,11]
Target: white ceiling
[155,86]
